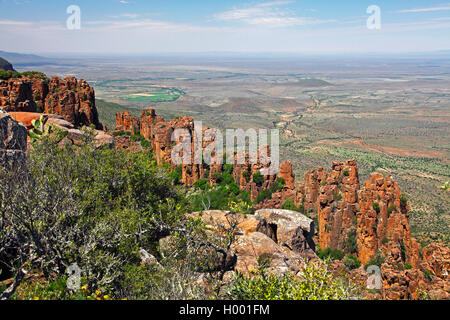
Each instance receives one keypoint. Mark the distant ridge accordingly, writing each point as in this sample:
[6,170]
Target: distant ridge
[19,58]
[5,65]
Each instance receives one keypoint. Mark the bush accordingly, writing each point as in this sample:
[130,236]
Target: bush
[201,184]
[328,253]
[377,260]
[83,205]
[403,201]
[263,195]
[391,209]
[337,196]
[351,262]
[137,137]
[177,174]
[258,179]
[314,283]
[376,207]
[351,243]
[290,205]
[246,175]
[146,145]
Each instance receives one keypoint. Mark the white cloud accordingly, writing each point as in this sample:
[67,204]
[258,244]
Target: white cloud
[267,14]
[442,8]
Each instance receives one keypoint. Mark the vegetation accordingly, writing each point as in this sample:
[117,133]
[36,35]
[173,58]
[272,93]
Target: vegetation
[157,94]
[5,75]
[351,262]
[313,283]
[95,207]
[377,260]
[328,253]
[290,205]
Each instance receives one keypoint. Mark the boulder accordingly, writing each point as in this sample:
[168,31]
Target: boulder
[293,229]
[13,141]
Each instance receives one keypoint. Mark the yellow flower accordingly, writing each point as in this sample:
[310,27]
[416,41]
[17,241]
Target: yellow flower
[98,298]
[36,298]
[98,292]
[89,297]
[106,297]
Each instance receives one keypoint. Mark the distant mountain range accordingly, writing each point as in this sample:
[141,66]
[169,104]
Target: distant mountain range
[24,60]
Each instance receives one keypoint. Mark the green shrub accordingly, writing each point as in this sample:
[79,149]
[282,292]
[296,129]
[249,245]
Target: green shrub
[333,254]
[351,243]
[218,177]
[337,196]
[121,133]
[403,201]
[376,207]
[137,137]
[391,209]
[290,205]
[258,179]
[177,174]
[351,262]
[428,274]
[377,260]
[146,145]
[314,283]
[73,191]
[263,195]
[201,184]
[246,175]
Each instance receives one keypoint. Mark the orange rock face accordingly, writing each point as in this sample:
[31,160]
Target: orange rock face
[70,98]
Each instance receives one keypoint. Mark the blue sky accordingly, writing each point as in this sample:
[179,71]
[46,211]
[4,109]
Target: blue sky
[297,26]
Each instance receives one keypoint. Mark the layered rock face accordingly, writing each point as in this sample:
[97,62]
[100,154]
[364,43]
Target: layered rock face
[280,238]
[13,141]
[384,217]
[159,132]
[338,206]
[70,98]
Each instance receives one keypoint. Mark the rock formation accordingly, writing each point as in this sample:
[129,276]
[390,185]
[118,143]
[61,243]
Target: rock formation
[367,221]
[13,141]
[70,98]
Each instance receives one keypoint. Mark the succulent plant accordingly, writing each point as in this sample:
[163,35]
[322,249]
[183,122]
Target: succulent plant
[40,129]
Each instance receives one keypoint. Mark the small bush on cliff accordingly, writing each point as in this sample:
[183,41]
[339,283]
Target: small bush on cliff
[328,253]
[313,283]
[258,179]
[377,260]
[351,262]
[391,209]
[290,205]
[403,201]
[201,184]
[376,207]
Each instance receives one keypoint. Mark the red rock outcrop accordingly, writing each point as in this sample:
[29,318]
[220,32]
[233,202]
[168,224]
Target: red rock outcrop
[70,98]
[384,217]
[125,122]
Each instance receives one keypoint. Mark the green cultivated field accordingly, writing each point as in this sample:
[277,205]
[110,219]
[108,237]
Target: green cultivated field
[155,95]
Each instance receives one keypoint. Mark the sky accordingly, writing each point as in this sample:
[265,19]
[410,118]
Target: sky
[188,26]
